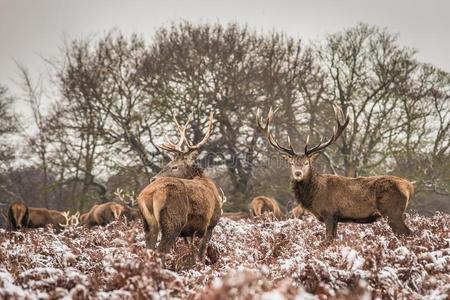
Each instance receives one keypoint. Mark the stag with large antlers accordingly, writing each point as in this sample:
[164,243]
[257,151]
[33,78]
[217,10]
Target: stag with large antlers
[181,201]
[21,216]
[333,198]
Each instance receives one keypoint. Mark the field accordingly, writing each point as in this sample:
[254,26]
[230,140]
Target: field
[248,259]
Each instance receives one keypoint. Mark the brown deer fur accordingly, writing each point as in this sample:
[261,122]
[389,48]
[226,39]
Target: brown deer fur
[83,217]
[102,214]
[262,204]
[333,198]
[181,201]
[179,207]
[297,212]
[20,215]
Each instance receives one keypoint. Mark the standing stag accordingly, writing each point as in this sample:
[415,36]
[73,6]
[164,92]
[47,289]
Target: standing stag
[333,198]
[181,201]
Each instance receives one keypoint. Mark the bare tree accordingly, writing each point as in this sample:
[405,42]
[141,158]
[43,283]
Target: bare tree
[8,126]
[365,66]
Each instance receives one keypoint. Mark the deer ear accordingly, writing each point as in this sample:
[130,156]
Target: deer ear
[191,157]
[313,156]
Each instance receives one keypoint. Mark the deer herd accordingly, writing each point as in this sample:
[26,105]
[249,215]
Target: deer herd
[183,201]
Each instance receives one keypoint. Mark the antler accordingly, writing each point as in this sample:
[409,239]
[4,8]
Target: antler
[169,145]
[223,197]
[339,114]
[266,130]
[177,148]
[121,195]
[66,216]
[75,219]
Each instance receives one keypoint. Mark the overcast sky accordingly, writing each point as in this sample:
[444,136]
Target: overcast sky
[34,28]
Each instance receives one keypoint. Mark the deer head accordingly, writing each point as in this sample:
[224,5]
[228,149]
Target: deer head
[183,164]
[301,162]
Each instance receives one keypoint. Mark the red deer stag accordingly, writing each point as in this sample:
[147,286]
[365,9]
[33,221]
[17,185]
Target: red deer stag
[262,204]
[21,216]
[181,201]
[333,198]
[102,214]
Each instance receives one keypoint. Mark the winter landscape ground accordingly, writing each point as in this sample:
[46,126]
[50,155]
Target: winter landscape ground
[248,259]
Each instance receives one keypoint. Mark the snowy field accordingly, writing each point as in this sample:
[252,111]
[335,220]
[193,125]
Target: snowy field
[248,259]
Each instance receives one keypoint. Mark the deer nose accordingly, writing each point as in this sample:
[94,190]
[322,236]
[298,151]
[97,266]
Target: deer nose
[298,174]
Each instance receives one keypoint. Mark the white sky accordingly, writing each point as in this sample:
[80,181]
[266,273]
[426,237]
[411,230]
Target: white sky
[34,28]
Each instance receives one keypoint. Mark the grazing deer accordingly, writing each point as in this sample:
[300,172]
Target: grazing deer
[262,204]
[21,216]
[333,198]
[102,214]
[181,201]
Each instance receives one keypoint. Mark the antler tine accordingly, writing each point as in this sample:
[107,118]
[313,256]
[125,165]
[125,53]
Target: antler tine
[132,199]
[66,216]
[176,147]
[266,130]
[118,193]
[205,138]
[339,114]
[224,198]
[74,219]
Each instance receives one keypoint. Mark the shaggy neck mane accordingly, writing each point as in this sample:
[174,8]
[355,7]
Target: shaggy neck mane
[197,171]
[303,190]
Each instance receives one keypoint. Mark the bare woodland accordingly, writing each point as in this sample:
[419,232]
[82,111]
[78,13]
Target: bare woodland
[107,103]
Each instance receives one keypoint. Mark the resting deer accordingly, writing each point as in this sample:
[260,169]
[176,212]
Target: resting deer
[181,200]
[333,198]
[20,215]
[262,204]
[102,214]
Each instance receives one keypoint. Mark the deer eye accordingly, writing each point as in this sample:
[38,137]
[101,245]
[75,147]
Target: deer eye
[306,163]
[174,167]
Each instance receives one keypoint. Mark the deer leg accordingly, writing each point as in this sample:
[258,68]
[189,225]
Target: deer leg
[171,228]
[151,235]
[398,225]
[204,244]
[392,208]
[335,229]
[167,242]
[331,227]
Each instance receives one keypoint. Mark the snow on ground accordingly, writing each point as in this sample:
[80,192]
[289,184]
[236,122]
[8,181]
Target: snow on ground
[248,259]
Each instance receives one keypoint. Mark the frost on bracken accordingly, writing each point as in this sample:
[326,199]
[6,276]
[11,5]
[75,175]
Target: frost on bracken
[247,259]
